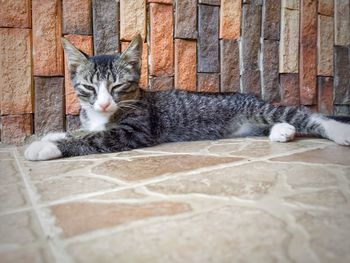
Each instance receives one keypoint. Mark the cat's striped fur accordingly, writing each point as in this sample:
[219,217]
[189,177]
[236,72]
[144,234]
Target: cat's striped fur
[118,116]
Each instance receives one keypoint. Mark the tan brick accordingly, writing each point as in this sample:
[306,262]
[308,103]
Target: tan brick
[185,64]
[325,46]
[290,4]
[84,43]
[132,19]
[144,66]
[342,22]
[16,128]
[326,7]
[15,71]
[77,17]
[160,1]
[162,47]
[208,82]
[289,43]
[47,31]
[15,13]
[230,19]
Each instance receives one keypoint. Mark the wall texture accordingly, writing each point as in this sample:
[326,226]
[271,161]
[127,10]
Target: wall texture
[291,52]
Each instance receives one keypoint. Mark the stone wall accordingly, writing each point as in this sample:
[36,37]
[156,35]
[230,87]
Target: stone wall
[288,52]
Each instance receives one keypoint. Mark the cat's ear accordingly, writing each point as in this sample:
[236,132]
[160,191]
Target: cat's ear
[75,56]
[132,55]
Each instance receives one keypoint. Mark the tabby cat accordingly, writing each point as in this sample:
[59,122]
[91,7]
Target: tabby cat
[117,115]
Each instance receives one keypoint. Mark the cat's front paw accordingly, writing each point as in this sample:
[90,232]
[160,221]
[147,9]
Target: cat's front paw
[42,150]
[282,132]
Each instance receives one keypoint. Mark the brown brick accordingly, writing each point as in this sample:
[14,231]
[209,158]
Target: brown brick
[210,2]
[308,52]
[326,7]
[270,75]
[161,83]
[289,42]
[250,36]
[186,19]
[271,19]
[162,47]
[325,94]
[251,82]
[72,122]
[290,89]
[208,82]
[185,64]
[230,19]
[132,19]
[77,17]
[15,13]
[49,109]
[341,75]
[169,2]
[84,43]
[47,31]
[144,64]
[325,46]
[16,128]
[15,71]
[230,72]
[341,110]
[342,22]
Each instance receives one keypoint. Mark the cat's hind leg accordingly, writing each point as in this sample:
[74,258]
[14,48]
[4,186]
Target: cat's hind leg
[282,132]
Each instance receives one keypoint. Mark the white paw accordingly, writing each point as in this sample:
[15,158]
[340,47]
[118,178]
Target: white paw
[337,131]
[282,132]
[42,150]
[55,136]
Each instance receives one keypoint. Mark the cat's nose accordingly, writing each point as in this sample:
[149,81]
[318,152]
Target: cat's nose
[104,106]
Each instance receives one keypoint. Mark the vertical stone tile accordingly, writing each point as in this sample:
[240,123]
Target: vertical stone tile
[325,46]
[325,95]
[132,19]
[230,72]
[271,19]
[342,22]
[49,109]
[230,19]
[208,82]
[47,31]
[326,7]
[341,110]
[208,42]
[105,26]
[251,36]
[209,2]
[161,83]
[161,36]
[15,71]
[185,64]
[290,89]
[186,19]
[143,83]
[270,90]
[289,41]
[84,43]
[251,82]
[77,17]
[169,2]
[290,4]
[341,75]
[72,122]
[15,13]
[16,128]
[308,52]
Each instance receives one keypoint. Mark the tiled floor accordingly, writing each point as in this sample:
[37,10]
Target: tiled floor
[245,200]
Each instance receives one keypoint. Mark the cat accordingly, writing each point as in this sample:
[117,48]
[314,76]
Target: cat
[117,115]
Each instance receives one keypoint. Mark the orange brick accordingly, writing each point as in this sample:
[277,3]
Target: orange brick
[15,13]
[84,43]
[144,67]
[16,128]
[77,17]
[132,19]
[162,47]
[185,64]
[15,71]
[230,19]
[208,82]
[47,31]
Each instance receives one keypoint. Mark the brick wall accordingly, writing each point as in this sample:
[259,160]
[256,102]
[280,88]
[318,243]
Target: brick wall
[291,52]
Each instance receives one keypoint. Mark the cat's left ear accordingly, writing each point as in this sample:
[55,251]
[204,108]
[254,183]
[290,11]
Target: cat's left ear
[75,56]
[132,54]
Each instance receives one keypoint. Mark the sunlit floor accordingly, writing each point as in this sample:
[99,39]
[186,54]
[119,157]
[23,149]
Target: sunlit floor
[244,200]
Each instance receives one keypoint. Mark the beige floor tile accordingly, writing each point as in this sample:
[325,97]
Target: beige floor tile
[9,172]
[27,254]
[13,196]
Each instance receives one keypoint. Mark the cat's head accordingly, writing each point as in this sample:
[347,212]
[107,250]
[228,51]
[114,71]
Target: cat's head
[105,83]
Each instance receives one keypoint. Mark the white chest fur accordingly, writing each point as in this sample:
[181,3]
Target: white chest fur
[96,120]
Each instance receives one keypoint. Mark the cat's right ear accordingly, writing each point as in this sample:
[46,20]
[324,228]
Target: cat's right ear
[74,55]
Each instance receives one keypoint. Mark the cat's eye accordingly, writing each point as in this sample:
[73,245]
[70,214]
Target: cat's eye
[120,87]
[88,87]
